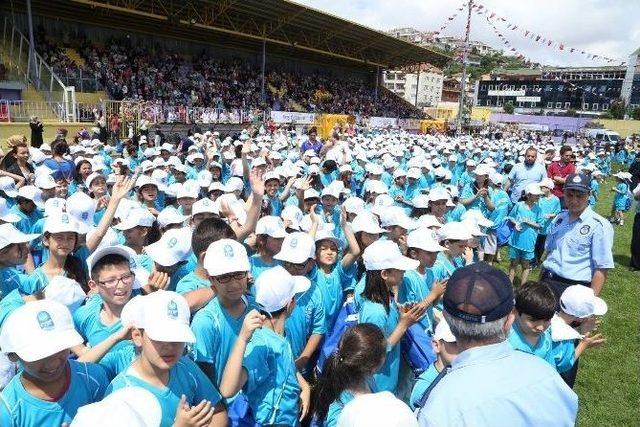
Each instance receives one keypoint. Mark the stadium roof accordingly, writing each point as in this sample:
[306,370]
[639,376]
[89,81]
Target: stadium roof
[288,28]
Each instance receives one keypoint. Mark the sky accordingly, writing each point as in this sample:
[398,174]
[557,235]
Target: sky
[609,28]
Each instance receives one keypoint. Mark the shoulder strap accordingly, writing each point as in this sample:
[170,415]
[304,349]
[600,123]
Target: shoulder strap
[425,396]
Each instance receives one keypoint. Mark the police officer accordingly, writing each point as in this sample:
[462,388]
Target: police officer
[579,244]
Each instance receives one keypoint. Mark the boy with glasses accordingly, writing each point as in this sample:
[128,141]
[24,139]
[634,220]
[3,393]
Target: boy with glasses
[217,325]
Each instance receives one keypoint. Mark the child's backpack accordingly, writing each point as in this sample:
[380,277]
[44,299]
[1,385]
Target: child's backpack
[504,232]
[347,317]
[417,349]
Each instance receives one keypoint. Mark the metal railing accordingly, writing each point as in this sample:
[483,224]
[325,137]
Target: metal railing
[22,111]
[37,72]
[84,81]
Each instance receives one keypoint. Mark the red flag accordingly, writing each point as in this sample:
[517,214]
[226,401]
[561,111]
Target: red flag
[561,47]
[571,50]
[515,27]
[492,15]
[526,33]
[480,6]
[538,38]
[550,42]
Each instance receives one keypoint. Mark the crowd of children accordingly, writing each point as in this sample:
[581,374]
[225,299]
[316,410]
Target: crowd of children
[157,287]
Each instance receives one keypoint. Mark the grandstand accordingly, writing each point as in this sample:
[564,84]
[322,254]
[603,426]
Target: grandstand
[216,56]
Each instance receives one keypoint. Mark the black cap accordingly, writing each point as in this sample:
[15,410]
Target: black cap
[478,293]
[578,181]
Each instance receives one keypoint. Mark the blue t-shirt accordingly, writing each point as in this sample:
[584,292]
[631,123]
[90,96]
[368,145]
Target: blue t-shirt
[216,332]
[257,265]
[422,384]
[548,205]
[414,288]
[191,282]
[11,279]
[272,388]
[18,408]
[307,318]
[543,348]
[89,325]
[386,379]
[184,378]
[331,286]
[525,239]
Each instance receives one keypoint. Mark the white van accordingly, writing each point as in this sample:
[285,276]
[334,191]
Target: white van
[604,135]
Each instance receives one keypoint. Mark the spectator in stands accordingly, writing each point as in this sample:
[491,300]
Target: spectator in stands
[37,128]
[16,161]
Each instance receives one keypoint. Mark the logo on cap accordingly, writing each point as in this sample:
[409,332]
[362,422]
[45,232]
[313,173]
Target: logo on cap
[45,321]
[65,219]
[85,215]
[132,264]
[205,202]
[172,242]
[172,310]
[294,243]
[228,251]
[576,179]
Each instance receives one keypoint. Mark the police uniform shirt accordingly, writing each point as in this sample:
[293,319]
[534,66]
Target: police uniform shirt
[576,248]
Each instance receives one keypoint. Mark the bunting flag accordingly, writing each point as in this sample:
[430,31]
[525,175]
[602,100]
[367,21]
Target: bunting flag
[528,34]
[450,19]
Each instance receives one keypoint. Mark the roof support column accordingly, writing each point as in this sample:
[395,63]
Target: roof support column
[264,59]
[377,81]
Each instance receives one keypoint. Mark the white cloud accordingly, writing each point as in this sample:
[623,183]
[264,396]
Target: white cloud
[603,27]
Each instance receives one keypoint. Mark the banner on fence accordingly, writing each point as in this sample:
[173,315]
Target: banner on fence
[409,124]
[293,117]
[382,122]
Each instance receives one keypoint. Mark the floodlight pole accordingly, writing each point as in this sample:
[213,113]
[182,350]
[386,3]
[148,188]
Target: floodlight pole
[464,68]
[417,84]
[31,67]
[377,81]
[264,58]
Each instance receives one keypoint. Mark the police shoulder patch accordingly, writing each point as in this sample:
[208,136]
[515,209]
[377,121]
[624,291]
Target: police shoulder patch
[584,230]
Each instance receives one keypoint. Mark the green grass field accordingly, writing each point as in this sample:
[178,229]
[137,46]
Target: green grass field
[608,382]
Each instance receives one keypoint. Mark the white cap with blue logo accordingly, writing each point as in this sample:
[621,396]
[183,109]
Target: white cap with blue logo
[38,330]
[225,256]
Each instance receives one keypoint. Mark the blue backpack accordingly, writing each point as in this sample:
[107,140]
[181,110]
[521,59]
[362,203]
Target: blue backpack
[504,231]
[347,318]
[416,347]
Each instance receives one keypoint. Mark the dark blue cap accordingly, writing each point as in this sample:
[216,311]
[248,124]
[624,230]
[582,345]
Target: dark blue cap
[478,293]
[578,181]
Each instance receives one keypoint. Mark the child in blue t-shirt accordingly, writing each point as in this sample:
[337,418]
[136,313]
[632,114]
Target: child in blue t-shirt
[526,217]
[446,349]
[261,363]
[51,387]
[160,323]
[549,205]
[621,201]
[348,371]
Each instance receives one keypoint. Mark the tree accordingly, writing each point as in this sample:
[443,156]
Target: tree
[635,113]
[571,113]
[617,109]
[508,108]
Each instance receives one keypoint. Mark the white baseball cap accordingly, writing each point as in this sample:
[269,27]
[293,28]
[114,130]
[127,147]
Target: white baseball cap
[173,247]
[32,193]
[381,203]
[93,177]
[187,191]
[293,214]
[424,238]
[272,226]
[82,208]
[366,222]
[580,301]
[429,221]
[326,233]
[39,329]
[9,234]
[141,273]
[145,180]
[60,223]
[376,410]
[164,316]
[66,291]
[353,205]
[276,287]
[216,186]
[271,175]
[225,256]
[297,248]
[547,182]
[385,254]
[205,205]
[233,184]
[5,212]
[420,201]
[136,217]
[170,215]
[476,216]
[443,332]
[310,194]
[8,185]
[453,231]
[533,189]
[395,216]
[129,406]
[45,182]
